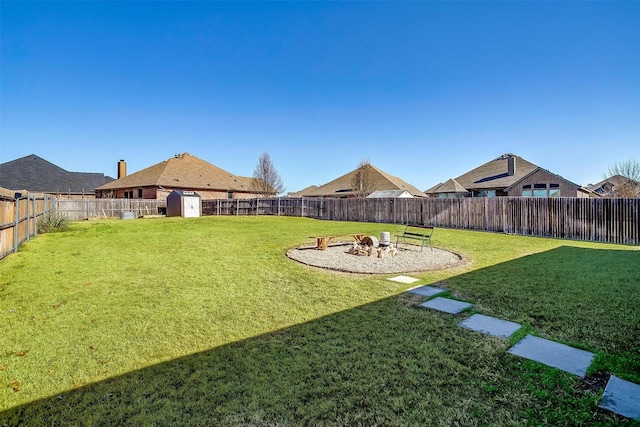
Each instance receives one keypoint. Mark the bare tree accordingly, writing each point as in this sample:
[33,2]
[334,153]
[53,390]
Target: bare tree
[628,178]
[363,182]
[266,179]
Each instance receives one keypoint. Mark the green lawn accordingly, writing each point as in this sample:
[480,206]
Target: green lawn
[205,321]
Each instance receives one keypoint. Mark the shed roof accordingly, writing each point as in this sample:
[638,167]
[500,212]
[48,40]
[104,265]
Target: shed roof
[183,170]
[33,173]
[342,186]
[183,193]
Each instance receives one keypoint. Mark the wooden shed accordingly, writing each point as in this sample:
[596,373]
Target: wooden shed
[184,203]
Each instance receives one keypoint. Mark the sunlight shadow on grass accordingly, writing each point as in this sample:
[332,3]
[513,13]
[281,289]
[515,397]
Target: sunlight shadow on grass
[388,362]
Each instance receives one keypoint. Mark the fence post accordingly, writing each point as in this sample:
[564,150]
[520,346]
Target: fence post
[28,218]
[16,234]
[35,216]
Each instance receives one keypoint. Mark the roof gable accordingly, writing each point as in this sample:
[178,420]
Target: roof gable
[544,171]
[342,186]
[450,186]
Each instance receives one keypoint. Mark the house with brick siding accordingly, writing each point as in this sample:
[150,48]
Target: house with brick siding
[181,172]
[509,175]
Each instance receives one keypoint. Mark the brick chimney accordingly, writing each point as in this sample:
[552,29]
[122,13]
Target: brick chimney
[122,169]
[511,165]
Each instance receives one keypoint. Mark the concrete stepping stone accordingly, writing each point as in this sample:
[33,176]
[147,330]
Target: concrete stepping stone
[490,325]
[404,279]
[622,397]
[553,354]
[447,305]
[426,291]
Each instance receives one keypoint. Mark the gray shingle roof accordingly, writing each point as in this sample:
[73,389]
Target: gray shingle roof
[35,174]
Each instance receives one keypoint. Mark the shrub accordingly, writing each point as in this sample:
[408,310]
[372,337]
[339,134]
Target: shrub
[51,222]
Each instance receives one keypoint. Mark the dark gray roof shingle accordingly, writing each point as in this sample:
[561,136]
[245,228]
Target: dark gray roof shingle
[33,173]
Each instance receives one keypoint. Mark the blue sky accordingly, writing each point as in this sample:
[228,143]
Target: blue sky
[424,90]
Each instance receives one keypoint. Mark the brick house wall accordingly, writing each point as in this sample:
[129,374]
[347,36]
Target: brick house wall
[540,177]
[161,193]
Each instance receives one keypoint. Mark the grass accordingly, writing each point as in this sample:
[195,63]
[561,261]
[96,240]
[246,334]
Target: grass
[204,321]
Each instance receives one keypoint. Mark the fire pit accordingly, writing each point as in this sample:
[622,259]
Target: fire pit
[371,246]
[409,258]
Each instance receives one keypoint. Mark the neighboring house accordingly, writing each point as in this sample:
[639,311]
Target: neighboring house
[368,177]
[617,186]
[37,175]
[181,172]
[390,194]
[509,175]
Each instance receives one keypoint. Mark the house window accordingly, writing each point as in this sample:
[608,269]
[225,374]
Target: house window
[229,194]
[539,190]
[139,193]
[484,193]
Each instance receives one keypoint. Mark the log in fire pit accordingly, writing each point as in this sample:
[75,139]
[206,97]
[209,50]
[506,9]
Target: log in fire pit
[371,246]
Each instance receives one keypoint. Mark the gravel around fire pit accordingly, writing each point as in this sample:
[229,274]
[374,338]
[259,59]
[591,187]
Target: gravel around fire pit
[409,259]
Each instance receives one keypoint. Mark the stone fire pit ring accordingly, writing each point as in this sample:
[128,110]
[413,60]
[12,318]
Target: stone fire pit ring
[409,259]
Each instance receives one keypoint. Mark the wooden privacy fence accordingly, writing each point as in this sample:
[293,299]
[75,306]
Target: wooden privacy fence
[599,220]
[19,213]
[76,209]
[286,206]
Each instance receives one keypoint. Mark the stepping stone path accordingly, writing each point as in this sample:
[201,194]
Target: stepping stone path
[404,279]
[447,305]
[490,325]
[554,354]
[426,291]
[620,396]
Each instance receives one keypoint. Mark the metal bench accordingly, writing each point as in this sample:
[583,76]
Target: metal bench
[421,233]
